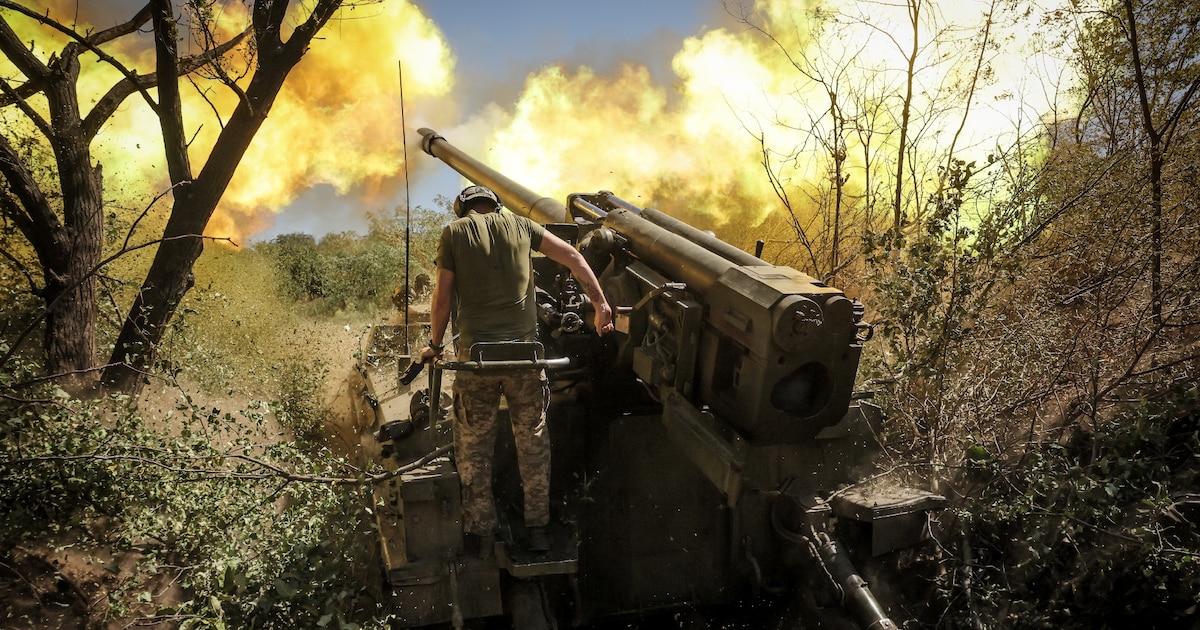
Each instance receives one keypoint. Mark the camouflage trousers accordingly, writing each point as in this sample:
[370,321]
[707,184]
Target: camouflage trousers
[476,401]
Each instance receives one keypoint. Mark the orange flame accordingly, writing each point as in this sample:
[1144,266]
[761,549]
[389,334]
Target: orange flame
[698,151]
[694,149]
[336,121]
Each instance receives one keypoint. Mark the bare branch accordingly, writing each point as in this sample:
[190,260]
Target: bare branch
[204,95]
[29,112]
[121,30]
[9,208]
[145,211]
[37,220]
[114,320]
[16,52]
[53,377]
[76,37]
[33,288]
[209,42]
[271,471]
[985,38]
[1080,196]
[1172,122]
[108,104]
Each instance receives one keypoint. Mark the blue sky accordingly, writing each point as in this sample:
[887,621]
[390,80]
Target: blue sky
[505,39]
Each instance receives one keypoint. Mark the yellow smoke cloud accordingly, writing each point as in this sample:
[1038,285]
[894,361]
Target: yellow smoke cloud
[695,151]
[691,148]
[130,141]
[692,151]
[578,132]
[337,120]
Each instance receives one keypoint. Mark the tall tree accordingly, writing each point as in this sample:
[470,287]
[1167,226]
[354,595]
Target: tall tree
[196,196]
[64,226]
[914,8]
[63,222]
[1118,239]
[1161,110]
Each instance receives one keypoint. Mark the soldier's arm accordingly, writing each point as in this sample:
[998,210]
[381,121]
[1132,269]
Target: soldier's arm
[439,313]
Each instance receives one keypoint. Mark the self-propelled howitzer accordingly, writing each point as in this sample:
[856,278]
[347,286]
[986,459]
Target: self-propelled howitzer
[706,452]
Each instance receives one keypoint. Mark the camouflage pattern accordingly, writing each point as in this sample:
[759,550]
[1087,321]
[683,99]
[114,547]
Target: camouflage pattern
[476,400]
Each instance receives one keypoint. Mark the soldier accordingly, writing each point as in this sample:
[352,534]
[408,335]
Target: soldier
[484,260]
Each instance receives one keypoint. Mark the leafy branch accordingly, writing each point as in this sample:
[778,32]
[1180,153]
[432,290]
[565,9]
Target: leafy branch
[267,469]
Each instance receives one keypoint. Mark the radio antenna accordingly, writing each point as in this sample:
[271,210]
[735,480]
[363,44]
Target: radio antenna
[407,212]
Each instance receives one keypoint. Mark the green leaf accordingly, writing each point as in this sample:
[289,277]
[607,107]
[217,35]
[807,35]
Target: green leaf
[977,453]
[284,589]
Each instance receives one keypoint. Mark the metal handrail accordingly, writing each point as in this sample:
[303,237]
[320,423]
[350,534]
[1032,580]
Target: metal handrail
[517,364]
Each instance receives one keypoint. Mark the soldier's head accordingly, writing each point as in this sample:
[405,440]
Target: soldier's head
[478,198]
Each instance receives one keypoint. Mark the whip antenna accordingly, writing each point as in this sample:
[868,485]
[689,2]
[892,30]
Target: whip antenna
[407,212]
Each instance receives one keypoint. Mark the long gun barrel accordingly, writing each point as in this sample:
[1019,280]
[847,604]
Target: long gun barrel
[653,236]
[781,355]
[518,198]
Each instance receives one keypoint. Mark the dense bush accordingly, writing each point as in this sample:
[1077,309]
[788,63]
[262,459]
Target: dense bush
[212,499]
[1070,509]
[166,514]
[340,272]
[345,270]
[1099,532]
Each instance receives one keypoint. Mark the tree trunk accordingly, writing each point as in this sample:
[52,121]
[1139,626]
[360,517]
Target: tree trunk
[169,279]
[70,293]
[914,14]
[170,275]
[69,248]
[1156,234]
[1158,138]
[839,185]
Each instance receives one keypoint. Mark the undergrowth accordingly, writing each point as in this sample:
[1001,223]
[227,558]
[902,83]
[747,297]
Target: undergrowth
[217,505]
[1099,532]
[215,512]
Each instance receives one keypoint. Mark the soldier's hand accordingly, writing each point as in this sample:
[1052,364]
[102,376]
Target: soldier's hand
[429,353]
[604,319]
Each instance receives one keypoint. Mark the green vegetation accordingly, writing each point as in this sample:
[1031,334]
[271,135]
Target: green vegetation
[1062,423]
[1037,335]
[185,519]
[1037,352]
[1098,532]
[344,271]
[224,500]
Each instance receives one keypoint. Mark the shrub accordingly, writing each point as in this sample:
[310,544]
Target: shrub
[1100,532]
[214,499]
[345,270]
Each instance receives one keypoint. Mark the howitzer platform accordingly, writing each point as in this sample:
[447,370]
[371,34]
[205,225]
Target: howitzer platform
[704,453]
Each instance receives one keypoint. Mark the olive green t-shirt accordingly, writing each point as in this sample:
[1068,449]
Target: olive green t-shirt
[491,257]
